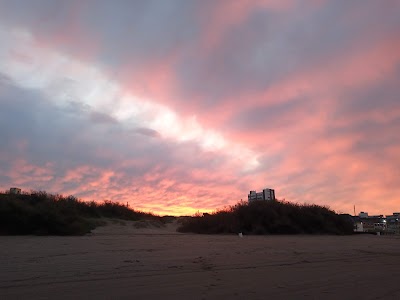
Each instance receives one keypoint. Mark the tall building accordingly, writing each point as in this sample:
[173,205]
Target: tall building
[266,194]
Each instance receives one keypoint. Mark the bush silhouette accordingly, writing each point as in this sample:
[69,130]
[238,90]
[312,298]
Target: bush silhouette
[269,217]
[40,213]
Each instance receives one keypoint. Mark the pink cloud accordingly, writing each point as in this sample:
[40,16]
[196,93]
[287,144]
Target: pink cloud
[226,14]
[321,143]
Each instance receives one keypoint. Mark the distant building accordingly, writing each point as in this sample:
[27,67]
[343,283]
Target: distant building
[266,195]
[15,191]
[372,223]
[357,223]
[393,223]
[358,227]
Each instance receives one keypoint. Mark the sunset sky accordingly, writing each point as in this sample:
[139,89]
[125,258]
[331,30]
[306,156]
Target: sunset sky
[178,106]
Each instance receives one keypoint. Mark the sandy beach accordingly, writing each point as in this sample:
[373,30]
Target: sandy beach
[120,261]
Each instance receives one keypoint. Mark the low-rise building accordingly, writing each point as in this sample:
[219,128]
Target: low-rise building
[372,223]
[393,223]
[358,224]
[15,191]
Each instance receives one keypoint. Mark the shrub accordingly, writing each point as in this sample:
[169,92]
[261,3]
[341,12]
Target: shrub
[269,217]
[41,213]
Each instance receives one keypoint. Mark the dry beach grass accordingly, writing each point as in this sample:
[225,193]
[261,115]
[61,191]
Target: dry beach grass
[125,261]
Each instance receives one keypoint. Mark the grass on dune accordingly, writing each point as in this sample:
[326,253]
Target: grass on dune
[40,213]
[270,217]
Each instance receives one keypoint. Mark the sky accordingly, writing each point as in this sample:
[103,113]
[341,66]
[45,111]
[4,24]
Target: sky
[179,106]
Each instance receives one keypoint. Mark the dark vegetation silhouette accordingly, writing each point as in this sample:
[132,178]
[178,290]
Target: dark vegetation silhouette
[269,217]
[41,213]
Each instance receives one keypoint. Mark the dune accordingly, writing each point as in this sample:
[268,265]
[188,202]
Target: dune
[131,260]
[126,227]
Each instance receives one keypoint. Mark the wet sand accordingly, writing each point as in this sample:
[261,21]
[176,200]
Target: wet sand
[123,262]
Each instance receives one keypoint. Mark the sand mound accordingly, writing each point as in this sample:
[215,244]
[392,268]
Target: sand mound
[123,227]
